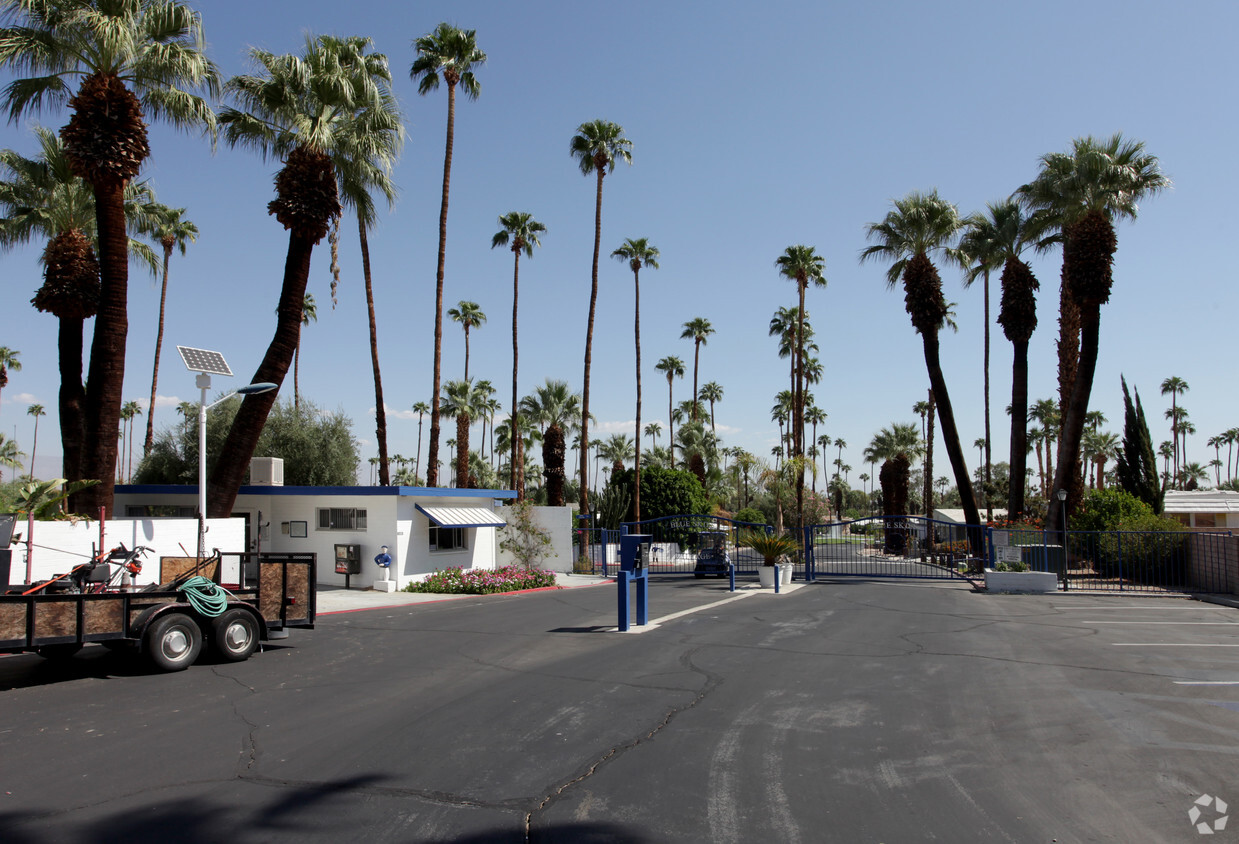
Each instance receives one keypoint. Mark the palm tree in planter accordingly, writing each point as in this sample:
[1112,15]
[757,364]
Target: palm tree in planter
[135,58]
[308,111]
[918,225]
[596,146]
[637,253]
[1084,191]
[452,53]
[772,547]
[520,232]
[171,231]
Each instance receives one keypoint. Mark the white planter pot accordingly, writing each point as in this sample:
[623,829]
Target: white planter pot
[1020,581]
[766,576]
[785,574]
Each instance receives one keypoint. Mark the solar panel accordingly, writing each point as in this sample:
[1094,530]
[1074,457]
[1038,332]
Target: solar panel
[201,360]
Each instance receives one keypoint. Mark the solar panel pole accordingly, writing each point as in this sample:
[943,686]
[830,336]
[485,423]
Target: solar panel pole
[204,383]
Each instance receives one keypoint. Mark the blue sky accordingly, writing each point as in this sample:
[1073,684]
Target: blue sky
[754,127]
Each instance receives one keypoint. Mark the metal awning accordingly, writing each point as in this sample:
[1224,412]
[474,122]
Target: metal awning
[463,517]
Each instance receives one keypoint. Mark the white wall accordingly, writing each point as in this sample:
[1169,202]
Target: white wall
[557,521]
[59,546]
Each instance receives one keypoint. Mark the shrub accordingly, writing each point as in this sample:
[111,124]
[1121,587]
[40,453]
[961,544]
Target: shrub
[1123,537]
[751,515]
[461,581]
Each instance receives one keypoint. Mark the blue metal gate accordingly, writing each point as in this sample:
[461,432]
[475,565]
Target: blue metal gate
[887,546]
[677,540]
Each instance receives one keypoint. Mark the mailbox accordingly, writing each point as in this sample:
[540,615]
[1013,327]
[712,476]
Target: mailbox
[348,559]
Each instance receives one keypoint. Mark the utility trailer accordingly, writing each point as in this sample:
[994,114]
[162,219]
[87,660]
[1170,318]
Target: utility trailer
[160,622]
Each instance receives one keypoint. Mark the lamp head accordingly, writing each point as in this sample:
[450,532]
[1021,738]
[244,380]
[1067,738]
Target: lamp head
[255,389]
[1062,495]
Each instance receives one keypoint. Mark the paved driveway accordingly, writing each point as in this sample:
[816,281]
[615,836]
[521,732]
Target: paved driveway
[842,711]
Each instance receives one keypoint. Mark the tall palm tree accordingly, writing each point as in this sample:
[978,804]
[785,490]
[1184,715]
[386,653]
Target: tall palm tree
[596,146]
[421,409]
[128,411]
[802,265]
[453,54]
[520,232]
[36,410]
[469,315]
[461,400]
[43,198]
[9,360]
[697,329]
[652,430]
[918,225]
[998,237]
[711,392]
[1084,191]
[135,58]
[10,455]
[1174,386]
[619,449]
[309,314]
[171,231]
[1048,415]
[637,253]
[309,111]
[672,367]
[553,407]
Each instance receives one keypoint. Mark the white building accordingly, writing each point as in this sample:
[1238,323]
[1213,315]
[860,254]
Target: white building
[1204,508]
[424,529]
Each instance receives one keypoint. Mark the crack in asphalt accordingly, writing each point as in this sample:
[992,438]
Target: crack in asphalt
[713,681]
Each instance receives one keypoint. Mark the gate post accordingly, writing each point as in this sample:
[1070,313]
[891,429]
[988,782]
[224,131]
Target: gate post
[810,563]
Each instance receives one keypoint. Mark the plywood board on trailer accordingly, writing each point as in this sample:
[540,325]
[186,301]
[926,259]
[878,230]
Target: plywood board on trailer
[170,568]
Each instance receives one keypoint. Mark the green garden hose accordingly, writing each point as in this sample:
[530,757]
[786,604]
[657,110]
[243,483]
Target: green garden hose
[208,598]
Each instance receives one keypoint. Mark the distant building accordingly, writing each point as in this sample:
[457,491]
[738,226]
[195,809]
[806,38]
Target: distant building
[1203,509]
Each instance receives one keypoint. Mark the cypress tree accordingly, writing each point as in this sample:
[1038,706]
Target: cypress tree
[1137,463]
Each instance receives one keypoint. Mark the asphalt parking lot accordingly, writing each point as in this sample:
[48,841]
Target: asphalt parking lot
[845,710]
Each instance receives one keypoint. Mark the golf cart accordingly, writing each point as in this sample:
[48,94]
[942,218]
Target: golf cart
[712,558]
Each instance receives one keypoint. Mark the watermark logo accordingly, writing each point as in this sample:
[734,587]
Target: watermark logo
[1203,809]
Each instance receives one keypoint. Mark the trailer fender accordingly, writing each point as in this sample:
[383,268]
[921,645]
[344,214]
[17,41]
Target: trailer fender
[137,630]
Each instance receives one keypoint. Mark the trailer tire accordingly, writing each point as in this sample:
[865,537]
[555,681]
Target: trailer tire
[173,642]
[235,635]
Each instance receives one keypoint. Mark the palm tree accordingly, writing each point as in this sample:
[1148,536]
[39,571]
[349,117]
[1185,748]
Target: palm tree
[469,315]
[44,198]
[452,53]
[1175,387]
[698,330]
[421,409]
[309,111]
[711,392]
[135,58]
[171,232]
[637,253]
[9,360]
[129,410]
[1084,191]
[9,454]
[309,314]
[999,236]
[652,430]
[1048,415]
[596,146]
[520,232]
[802,265]
[672,367]
[461,400]
[36,410]
[553,407]
[366,169]
[918,225]
[618,448]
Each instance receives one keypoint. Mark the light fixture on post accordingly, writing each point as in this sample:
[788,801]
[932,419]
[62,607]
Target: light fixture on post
[206,364]
[1061,495]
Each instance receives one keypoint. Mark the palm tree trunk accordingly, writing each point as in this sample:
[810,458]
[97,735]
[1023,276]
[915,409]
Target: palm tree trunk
[696,366]
[1019,431]
[432,457]
[297,371]
[927,483]
[72,399]
[589,342]
[234,458]
[636,465]
[671,423]
[1073,416]
[798,400]
[106,376]
[380,413]
[150,408]
[513,469]
[950,439]
[989,505]
[462,452]
[417,464]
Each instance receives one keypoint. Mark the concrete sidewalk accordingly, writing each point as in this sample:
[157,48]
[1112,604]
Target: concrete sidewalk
[335,599]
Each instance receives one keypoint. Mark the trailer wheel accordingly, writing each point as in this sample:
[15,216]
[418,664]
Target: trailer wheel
[235,635]
[58,652]
[173,642]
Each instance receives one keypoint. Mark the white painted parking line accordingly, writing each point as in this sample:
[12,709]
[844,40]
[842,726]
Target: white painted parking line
[1206,682]
[1171,645]
[1181,623]
[1130,607]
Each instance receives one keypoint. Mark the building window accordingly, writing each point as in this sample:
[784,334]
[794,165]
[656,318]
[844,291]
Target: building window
[341,518]
[446,538]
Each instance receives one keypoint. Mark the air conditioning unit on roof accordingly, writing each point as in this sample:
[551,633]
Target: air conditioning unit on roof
[267,471]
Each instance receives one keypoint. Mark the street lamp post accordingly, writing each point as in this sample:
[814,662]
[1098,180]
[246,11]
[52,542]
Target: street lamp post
[206,364]
[1061,495]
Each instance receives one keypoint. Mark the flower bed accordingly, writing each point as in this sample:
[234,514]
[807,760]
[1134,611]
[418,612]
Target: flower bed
[461,581]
